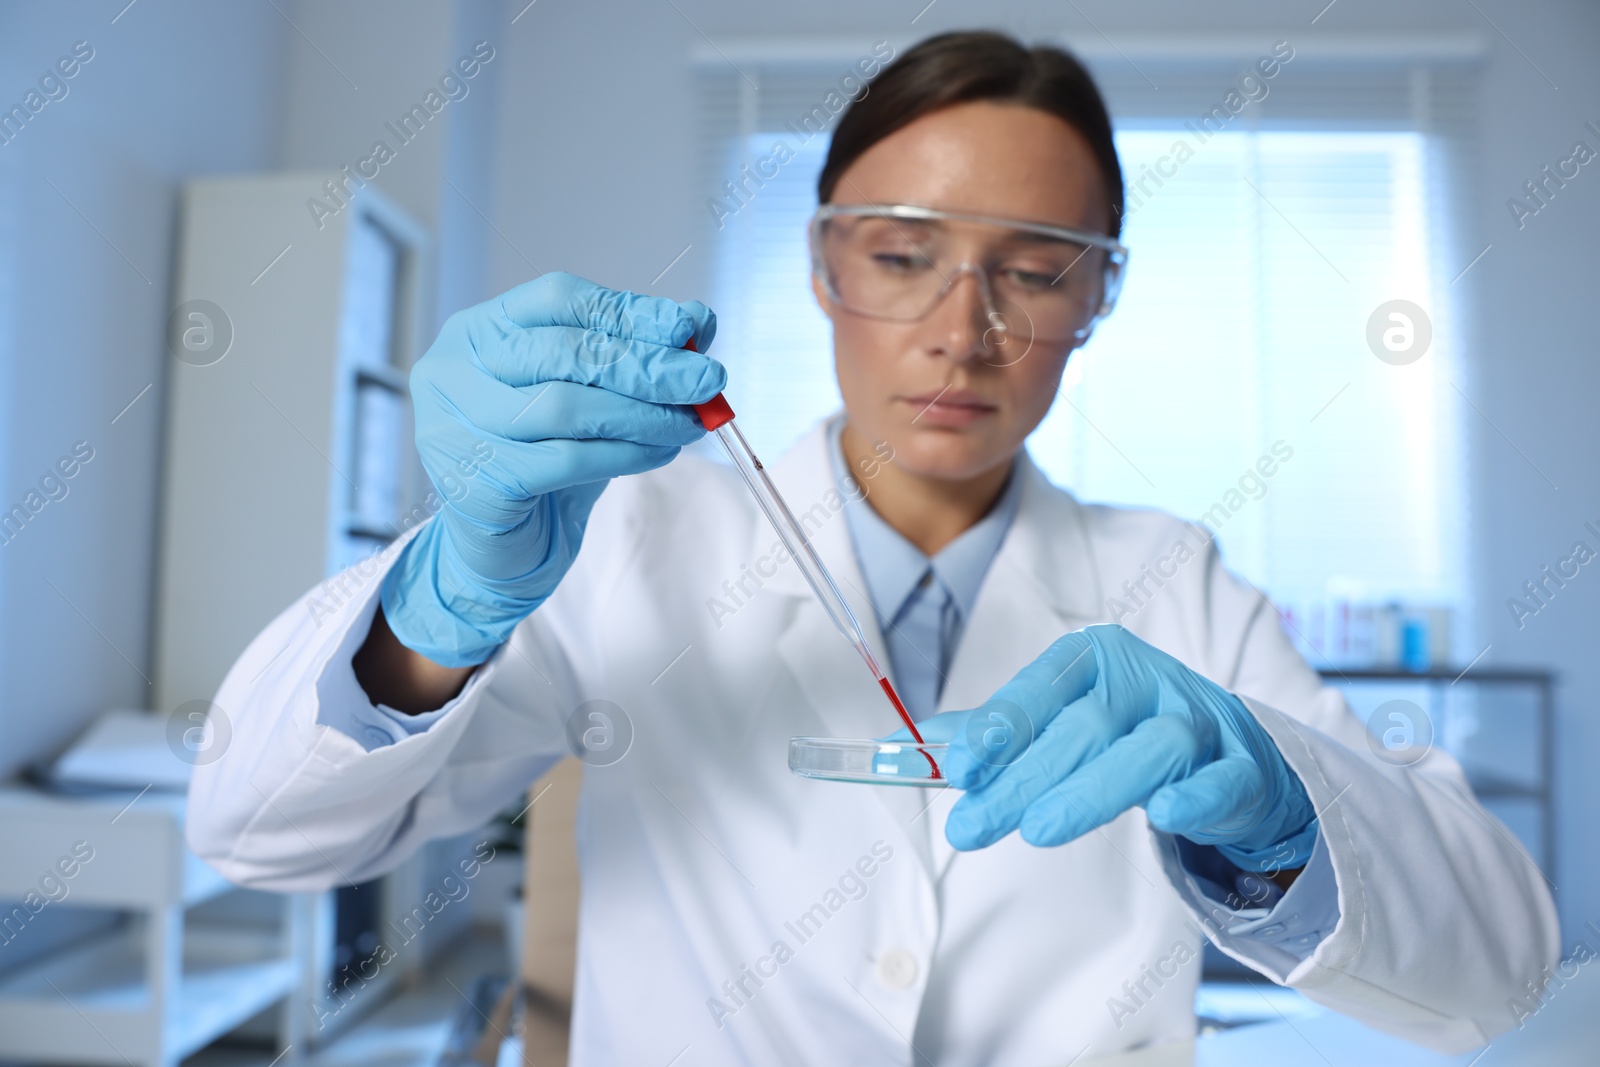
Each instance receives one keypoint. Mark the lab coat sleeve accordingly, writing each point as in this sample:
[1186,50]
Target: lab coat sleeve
[312,790]
[1443,917]
[1250,905]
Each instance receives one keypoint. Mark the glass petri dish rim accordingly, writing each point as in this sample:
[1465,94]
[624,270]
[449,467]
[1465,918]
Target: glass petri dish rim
[867,760]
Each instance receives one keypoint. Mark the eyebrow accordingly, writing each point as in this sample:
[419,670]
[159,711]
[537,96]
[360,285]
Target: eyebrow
[938,227]
[918,231]
[1032,237]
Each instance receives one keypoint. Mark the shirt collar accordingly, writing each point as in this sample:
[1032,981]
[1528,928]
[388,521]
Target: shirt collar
[892,565]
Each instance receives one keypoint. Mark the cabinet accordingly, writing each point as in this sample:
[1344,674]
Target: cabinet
[288,450]
[289,458]
[190,958]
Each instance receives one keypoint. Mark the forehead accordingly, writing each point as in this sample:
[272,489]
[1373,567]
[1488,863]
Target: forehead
[984,159]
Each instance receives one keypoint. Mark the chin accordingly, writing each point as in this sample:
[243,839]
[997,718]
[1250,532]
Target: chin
[948,456]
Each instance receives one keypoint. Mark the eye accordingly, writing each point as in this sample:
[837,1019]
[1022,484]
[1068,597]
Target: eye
[1034,280]
[901,262]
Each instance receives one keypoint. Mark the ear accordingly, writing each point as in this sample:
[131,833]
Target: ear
[821,294]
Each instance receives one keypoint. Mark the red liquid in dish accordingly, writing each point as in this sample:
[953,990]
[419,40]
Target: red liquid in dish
[905,717]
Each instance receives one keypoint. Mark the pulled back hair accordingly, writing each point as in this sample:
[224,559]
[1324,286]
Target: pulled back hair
[971,66]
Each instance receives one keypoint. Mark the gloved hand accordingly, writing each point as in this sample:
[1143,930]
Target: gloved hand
[563,385]
[1102,722]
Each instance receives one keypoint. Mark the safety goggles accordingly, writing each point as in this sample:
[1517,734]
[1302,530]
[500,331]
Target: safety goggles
[896,262]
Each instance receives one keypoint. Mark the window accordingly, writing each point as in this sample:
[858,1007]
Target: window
[1241,334]
[766,313]
[1239,346]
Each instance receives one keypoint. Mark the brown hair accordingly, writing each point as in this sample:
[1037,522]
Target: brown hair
[959,68]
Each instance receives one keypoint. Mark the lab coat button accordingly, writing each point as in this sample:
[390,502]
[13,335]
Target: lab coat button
[897,969]
[1271,930]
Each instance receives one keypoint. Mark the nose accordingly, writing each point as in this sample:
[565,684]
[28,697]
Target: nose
[965,323]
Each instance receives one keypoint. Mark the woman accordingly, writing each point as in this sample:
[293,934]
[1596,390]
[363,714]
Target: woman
[1178,777]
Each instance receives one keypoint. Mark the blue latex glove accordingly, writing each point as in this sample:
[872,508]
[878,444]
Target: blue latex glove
[1102,722]
[562,385]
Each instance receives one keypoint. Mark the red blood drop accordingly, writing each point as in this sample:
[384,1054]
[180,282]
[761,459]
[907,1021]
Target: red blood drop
[905,717]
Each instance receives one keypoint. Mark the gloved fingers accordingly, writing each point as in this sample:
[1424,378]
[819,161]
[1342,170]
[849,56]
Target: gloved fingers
[550,530]
[1060,674]
[569,328]
[1002,732]
[1125,651]
[1134,673]
[991,737]
[1158,751]
[705,324]
[541,467]
[996,806]
[561,299]
[502,491]
[1212,805]
[935,729]
[487,408]
[640,368]
[481,475]
[1006,725]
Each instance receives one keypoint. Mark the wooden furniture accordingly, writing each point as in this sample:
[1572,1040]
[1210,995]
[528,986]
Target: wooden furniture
[535,1011]
[550,914]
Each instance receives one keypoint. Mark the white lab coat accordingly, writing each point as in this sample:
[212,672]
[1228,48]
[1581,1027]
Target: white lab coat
[832,922]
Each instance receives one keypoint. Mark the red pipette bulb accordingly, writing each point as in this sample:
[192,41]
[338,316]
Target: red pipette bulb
[713,412]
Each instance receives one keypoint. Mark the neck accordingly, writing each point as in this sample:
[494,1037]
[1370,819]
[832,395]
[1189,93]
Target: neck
[928,512]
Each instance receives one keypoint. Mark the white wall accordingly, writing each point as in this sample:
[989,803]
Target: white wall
[596,175]
[88,196]
[361,65]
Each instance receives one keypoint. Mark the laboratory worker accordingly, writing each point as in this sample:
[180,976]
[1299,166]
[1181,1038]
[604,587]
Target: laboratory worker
[1138,762]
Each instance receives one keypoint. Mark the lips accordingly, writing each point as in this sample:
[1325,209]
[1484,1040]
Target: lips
[952,399]
[951,409]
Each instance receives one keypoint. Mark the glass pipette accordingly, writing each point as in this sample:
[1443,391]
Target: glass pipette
[717,416]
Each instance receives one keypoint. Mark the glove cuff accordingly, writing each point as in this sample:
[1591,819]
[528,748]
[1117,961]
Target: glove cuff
[1287,855]
[437,606]
[1289,830]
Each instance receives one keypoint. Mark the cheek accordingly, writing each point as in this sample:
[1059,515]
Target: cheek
[864,361]
[1032,384]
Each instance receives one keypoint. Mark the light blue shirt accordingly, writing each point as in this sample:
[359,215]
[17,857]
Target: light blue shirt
[923,605]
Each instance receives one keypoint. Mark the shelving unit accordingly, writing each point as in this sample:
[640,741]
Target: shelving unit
[170,978]
[289,458]
[1477,720]
[288,454]
[1507,764]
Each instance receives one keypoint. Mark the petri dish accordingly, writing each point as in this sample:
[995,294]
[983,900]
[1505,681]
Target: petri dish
[868,760]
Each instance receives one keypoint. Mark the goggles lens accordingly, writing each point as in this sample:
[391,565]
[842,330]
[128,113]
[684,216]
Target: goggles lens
[1038,282]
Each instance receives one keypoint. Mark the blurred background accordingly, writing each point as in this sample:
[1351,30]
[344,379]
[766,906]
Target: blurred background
[227,229]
